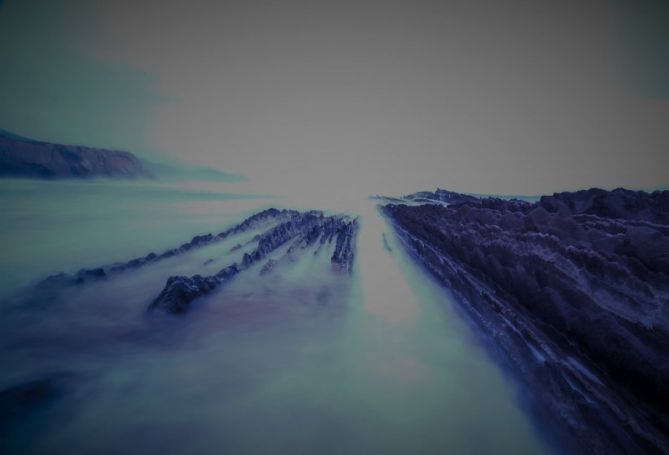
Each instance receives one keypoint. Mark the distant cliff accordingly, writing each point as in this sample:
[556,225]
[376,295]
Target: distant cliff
[22,157]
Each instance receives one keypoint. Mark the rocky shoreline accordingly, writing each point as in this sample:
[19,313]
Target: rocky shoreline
[276,228]
[301,230]
[572,292]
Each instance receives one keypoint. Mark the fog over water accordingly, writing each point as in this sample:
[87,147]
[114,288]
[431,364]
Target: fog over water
[299,360]
[66,225]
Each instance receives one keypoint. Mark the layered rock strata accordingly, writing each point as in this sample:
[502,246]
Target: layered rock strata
[573,292]
[301,230]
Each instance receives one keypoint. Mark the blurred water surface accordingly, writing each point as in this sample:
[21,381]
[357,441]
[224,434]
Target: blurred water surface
[50,226]
[299,360]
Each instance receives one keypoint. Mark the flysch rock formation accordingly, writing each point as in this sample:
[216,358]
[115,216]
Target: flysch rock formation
[259,220]
[300,230]
[100,305]
[572,292]
[273,229]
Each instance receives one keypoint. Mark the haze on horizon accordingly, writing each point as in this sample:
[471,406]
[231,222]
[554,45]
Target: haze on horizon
[351,98]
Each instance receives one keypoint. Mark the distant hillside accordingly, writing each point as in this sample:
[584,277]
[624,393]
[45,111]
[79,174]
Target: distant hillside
[22,157]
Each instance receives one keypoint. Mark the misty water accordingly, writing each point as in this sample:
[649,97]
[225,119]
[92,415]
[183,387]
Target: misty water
[299,360]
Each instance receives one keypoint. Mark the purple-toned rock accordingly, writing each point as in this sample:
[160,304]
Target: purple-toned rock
[573,291]
[179,291]
[299,230]
[617,204]
[256,221]
[344,252]
[426,197]
[439,195]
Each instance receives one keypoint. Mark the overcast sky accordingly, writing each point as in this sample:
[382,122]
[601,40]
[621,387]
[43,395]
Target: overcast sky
[353,97]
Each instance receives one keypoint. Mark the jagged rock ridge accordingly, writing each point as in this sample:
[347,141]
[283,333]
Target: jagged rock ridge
[275,228]
[439,196]
[573,290]
[300,229]
[256,221]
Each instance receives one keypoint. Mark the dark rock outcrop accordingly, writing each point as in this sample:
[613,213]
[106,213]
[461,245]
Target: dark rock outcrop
[438,196]
[179,291]
[345,246]
[255,221]
[573,291]
[21,157]
[302,229]
[276,227]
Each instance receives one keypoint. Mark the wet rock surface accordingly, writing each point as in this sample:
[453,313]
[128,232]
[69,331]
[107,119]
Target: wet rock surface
[255,221]
[299,229]
[276,228]
[573,292]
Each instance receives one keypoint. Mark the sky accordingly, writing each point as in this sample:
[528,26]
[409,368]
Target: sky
[350,98]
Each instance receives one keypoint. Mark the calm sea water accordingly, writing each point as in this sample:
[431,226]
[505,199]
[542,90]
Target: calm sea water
[65,225]
[298,361]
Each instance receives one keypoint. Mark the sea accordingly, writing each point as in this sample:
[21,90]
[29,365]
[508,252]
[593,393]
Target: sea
[298,361]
